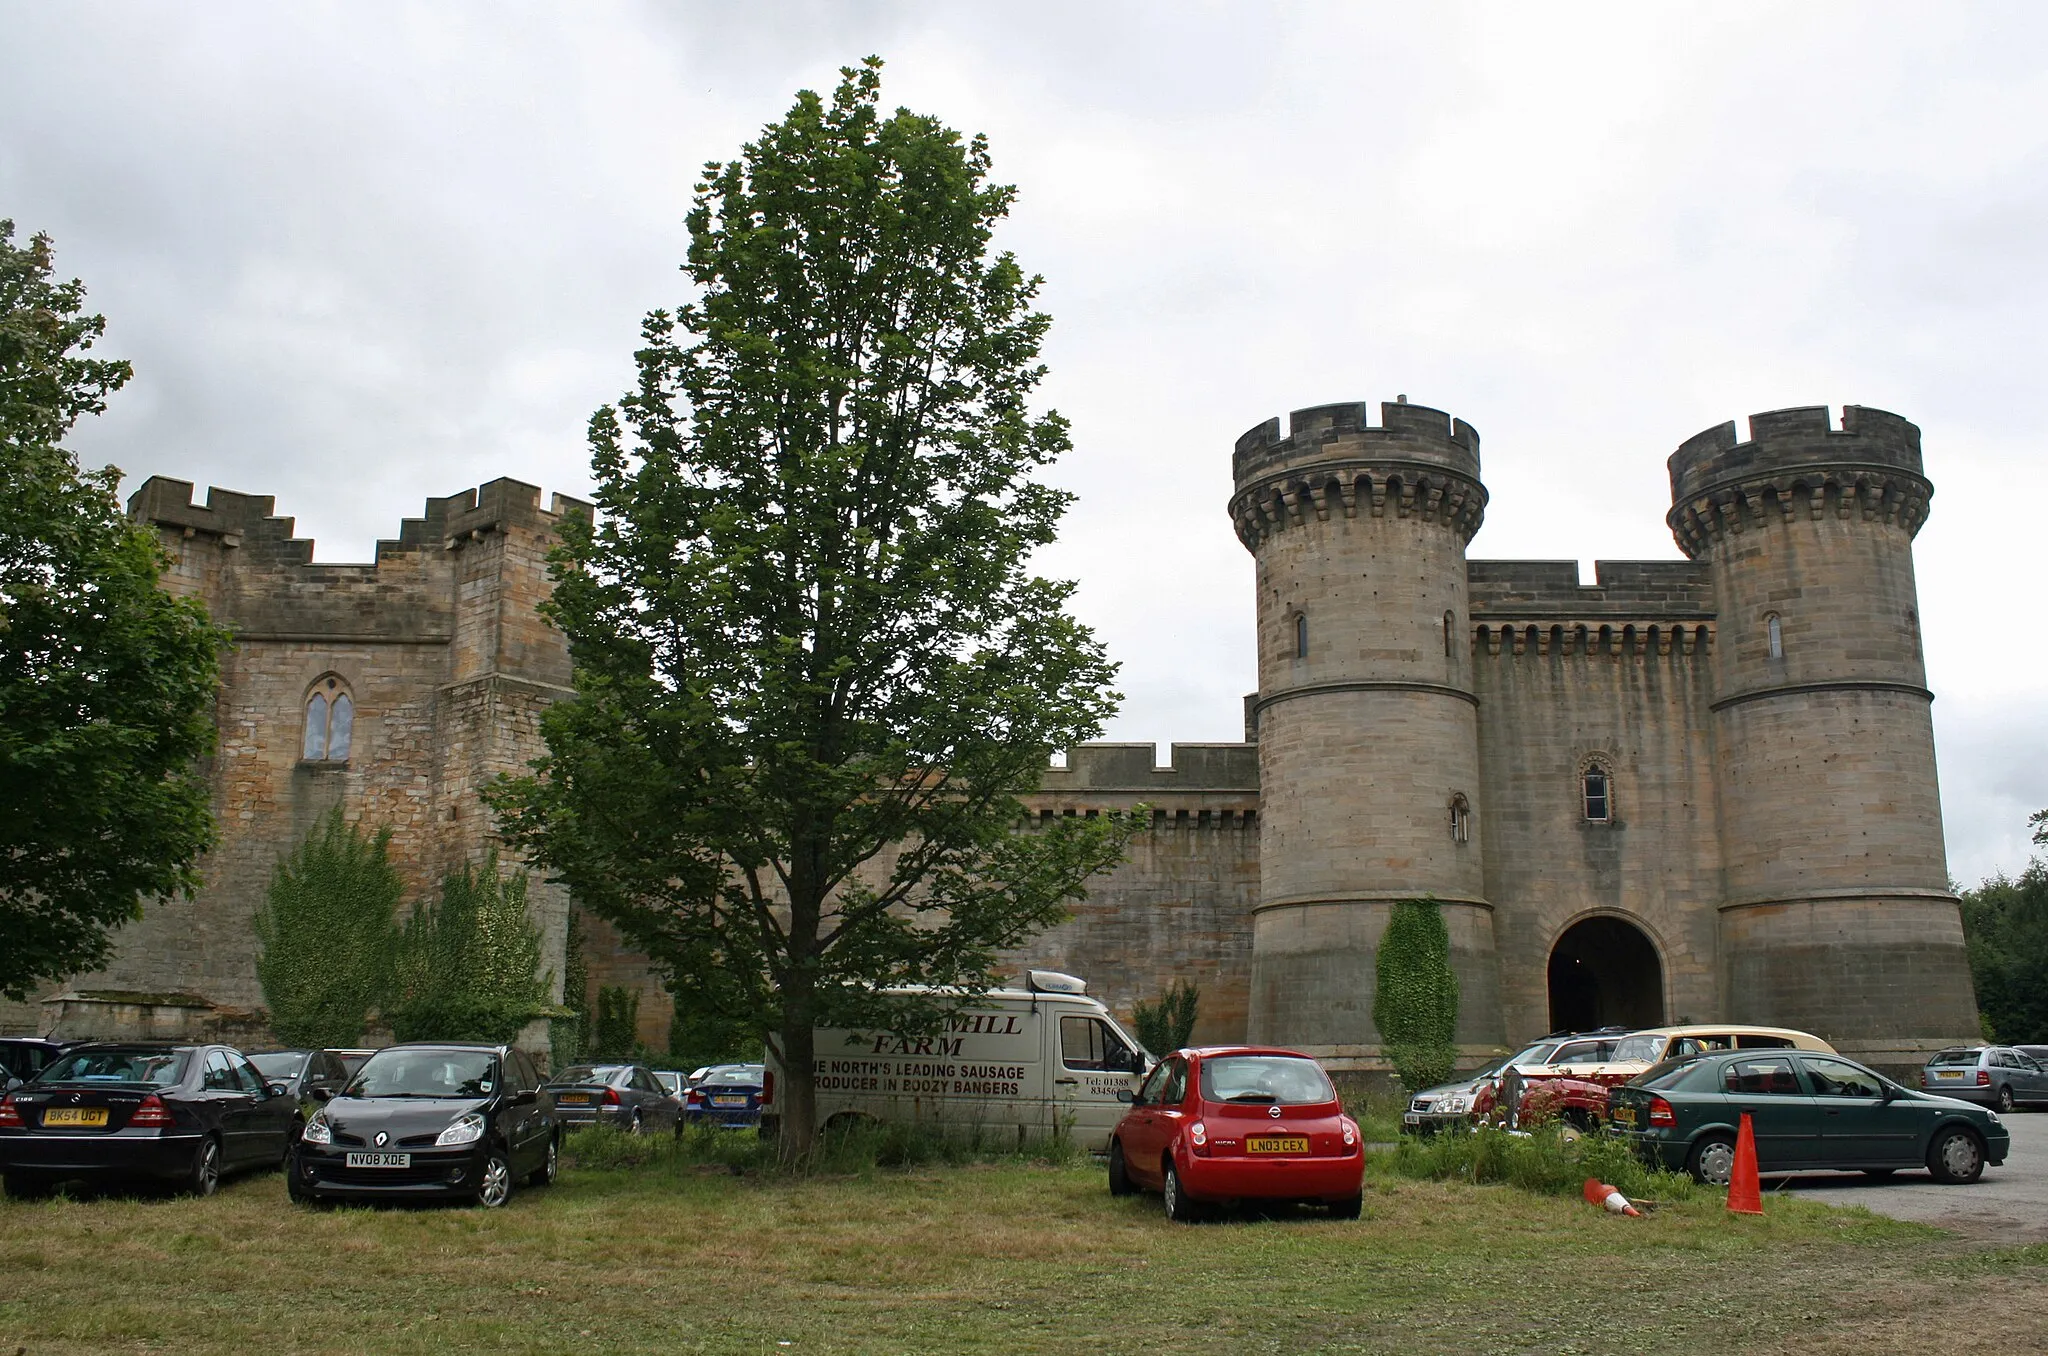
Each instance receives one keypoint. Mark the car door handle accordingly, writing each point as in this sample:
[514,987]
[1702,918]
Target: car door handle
[1073,1081]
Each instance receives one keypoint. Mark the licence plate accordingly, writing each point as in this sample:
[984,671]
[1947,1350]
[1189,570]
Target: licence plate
[574,1099]
[75,1115]
[1623,1115]
[1948,1073]
[728,1101]
[380,1160]
[1278,1144]
[1411,1118]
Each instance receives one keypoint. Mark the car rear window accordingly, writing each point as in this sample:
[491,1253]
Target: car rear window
[728,1078]
[1288,1080]
[1669,1075]
[1965,1057]
[156,1068]
[1639,1049]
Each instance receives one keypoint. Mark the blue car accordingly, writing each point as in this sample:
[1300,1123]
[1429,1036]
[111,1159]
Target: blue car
[730,1097]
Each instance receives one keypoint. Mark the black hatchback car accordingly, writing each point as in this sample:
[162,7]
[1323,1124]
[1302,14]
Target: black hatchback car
[188,1114]
[430,1121]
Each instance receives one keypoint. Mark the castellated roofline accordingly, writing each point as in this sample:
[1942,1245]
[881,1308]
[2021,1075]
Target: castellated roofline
[1795,462]
[250,521]
[1418,463]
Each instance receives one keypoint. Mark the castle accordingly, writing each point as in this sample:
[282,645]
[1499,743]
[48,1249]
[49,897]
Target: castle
[1698,789]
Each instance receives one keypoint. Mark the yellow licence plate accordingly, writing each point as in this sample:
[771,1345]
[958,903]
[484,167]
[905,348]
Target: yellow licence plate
[574,1099]
[1623,1115]
[75,1115]
[1278,1144]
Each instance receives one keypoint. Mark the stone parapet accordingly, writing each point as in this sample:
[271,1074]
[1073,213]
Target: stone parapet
[1419,463]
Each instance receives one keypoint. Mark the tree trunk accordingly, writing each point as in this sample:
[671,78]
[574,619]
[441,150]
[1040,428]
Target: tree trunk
[797,1098]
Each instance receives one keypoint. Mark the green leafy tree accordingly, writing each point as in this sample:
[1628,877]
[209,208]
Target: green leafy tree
[106,681]
[813,668]
[1415,1005]
[618,1023]
[329,929]
[469,965]
[2005,925]
[1168,1024]
[697,1037]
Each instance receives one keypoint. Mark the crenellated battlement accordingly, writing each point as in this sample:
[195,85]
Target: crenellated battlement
[1419,462]
[1642,591]
[1795,463]
[1593,638]
[1232,768]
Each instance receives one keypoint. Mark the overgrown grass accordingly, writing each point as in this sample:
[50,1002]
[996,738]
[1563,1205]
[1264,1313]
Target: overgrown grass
[862,1147]
[1545,1160]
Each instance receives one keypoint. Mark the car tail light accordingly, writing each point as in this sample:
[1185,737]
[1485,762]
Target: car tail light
[1350,1133]
[611,1096]
[1198,1135]
[696,1097]
[1661,1113]
[10,1116]
[768,1088]
[1983,1078]
[151,1112]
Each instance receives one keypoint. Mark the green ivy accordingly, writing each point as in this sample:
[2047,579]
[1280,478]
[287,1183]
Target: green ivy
[1169,1023]
[1415,1006]
[618,1023]
[328,935]
[469,966]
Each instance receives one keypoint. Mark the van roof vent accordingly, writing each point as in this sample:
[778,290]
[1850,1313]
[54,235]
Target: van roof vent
[1052,981]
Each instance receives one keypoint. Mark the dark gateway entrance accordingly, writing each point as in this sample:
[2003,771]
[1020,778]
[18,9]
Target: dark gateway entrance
[1605,972]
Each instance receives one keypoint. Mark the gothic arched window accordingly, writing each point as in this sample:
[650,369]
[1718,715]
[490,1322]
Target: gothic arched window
[330,722]
[1461,819]
[1596,793]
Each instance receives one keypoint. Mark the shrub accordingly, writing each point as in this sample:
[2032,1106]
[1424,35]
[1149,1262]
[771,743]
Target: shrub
[1415,1005]
[468,965]
[328,935]
[1547,1161]
[1168,1024]
[618,1021]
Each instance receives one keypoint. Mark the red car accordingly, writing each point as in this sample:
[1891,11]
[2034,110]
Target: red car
[1238,1123]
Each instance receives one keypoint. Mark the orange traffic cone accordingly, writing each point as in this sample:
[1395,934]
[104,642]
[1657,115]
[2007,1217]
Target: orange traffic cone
[1744,1196]
[1608,1198]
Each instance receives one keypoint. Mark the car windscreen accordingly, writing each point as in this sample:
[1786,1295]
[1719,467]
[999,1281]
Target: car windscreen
[1288,1080]
[1646,1049]
[426,1073]
[279,1063]
[1669,1074]
[597,1075]
[1963,1057]
[157,1068]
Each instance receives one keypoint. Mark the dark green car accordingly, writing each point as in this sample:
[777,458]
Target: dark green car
[1810,1112]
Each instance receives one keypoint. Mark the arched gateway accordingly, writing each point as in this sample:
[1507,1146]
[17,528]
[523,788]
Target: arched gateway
[1605,972]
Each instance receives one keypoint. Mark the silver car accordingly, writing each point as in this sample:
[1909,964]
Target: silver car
[1450,1105]
[1995,1075]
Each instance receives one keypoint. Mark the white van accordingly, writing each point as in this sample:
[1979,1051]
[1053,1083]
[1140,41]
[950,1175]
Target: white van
[1012,1066]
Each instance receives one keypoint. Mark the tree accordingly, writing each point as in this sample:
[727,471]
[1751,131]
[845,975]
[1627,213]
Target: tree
[2005,925]
[618,1023]
[329,930]
[106,681]
[1415,1005]
[468,966]
[1169,1023]
[813,668]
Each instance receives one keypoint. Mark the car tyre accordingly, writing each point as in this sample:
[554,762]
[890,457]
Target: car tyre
[1348,1208]
[1712,1160]
[204,1177]
[1956,1156]
[2005,1099]
[550,1165]
[494,1179]
[1179,1208]
[1119,1172]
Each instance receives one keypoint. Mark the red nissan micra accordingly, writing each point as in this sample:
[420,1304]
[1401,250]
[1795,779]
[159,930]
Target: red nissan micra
[1238,1123]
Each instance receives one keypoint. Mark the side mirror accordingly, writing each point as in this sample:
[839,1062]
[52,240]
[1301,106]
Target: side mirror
[275,1090]
[1126,1095]
[320,1092]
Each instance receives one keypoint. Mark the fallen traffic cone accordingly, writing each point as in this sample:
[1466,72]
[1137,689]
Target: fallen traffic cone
[1600,1194]
[1744,1196]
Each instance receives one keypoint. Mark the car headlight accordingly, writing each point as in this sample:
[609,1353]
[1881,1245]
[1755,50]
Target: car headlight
[466,1130]
[318,1131]
[1994,1118]
[1456,1105]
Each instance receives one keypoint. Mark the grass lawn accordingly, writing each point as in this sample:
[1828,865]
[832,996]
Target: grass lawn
[993,1258]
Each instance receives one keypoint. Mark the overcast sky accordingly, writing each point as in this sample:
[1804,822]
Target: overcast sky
[361,254]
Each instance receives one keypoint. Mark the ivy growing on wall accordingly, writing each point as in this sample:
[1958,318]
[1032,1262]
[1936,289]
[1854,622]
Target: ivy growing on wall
[1168,1024]
[328,935]
[469,965]
[1416,1004]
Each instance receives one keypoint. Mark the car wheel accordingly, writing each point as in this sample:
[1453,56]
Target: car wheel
[1179,1208]
[204,1178]
[1119,1173]
[1956,1157]
[284,1160]
[25,1186]
[494,1180]
[544,1175]
[1348,1208]
[2005,1098]
[1712,1160]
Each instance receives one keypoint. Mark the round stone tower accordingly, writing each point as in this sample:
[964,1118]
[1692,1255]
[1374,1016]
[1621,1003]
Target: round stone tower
[1836,916]
[1366,722]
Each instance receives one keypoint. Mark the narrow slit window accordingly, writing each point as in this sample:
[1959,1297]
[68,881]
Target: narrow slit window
[1449,622]
[1775,635]
[1301,635]
[1598,801]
